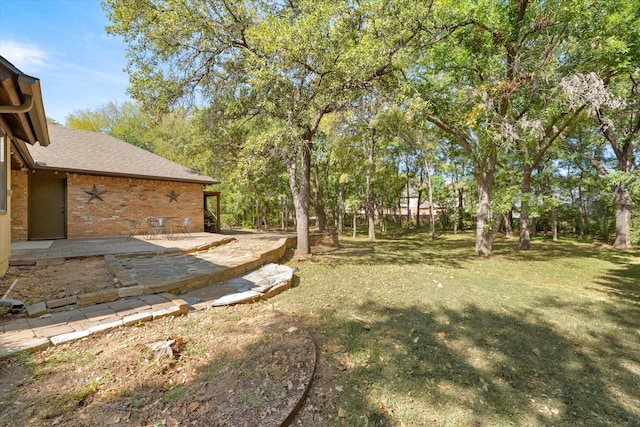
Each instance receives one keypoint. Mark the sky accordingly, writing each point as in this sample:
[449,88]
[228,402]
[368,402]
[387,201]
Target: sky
[64,44]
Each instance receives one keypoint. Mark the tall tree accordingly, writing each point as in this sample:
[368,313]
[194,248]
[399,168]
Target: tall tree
[294,62]
[618,119]
[492,85]
[605,80]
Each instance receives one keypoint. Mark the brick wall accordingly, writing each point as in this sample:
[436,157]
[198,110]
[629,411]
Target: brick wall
[121,198]
[19,205]
[127,198]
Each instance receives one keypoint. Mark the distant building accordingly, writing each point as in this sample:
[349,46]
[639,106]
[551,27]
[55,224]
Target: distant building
[408,206]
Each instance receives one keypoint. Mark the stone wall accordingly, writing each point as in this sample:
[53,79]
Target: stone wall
[122,198]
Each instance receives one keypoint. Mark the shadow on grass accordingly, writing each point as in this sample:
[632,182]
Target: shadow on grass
[250,369]
[483,367]
[407,249]
[622,282]
[456,251]
[544,250]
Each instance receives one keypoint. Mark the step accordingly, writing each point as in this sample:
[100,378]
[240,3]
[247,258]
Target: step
[259,284]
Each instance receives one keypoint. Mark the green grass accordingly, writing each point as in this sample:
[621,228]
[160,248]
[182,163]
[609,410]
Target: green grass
[428,334]
[66,402]
[70,359]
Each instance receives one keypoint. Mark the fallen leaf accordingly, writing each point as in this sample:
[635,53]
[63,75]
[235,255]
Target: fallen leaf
[163,348]
[292,329]
[192,407]
[342,413]
[537,352]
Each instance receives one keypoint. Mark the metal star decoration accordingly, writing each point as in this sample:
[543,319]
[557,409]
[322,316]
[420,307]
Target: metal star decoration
[95,194]
[173,196]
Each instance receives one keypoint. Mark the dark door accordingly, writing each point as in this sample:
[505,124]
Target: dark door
[47,208]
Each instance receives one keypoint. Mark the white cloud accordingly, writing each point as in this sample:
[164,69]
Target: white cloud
[26,57]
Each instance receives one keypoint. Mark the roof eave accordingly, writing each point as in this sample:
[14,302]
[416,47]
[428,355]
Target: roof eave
[38,116]
[125,175]
[22,109]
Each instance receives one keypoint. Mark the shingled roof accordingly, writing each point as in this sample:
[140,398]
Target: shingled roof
[78,151]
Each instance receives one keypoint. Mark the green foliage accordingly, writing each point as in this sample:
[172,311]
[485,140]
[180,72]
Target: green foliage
[466,90]
[125,121]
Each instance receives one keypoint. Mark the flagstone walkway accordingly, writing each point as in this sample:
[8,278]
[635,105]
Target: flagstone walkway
[156,279]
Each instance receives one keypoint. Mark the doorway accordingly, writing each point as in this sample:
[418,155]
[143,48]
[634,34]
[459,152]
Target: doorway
[212,211]
[47,208]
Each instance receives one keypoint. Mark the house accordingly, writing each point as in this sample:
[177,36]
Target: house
[408,205]
[85,184]
[22,124]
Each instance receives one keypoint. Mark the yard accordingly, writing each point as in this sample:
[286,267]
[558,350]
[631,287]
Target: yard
[409,332]
[422,333]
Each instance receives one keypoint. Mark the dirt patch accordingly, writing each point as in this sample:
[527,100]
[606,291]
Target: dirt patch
[235,366]
[240,366]
[43,283]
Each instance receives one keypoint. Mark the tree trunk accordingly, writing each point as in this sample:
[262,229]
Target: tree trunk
[432,222]
[554,222]
[484,234]
[533,227]
[408,203]
[418,203]
[341,209]
[355,222]
[624,207]
[581,213]
[300,183]
[508,224]
[460,209]
[319,207]
[371,169]
[525,236]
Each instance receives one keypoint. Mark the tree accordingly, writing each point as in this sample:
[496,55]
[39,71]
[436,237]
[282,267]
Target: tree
[492,85]
[293,62]
[618,119]
[417,139]
[124,121]
[604,80]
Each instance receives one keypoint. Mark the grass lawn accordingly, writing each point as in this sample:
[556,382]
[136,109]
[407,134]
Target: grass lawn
[423,333]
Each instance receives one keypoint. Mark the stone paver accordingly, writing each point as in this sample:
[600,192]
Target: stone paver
[205,270]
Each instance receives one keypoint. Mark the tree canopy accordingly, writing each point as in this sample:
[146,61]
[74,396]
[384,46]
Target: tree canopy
[503,93]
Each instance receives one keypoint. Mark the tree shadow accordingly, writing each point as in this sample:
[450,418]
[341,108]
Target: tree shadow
[544,250]
[252,371]
[622,282]
[407,249]
[477,366]
[457,251]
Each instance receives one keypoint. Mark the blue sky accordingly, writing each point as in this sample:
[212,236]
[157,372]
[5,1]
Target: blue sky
[64,44]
